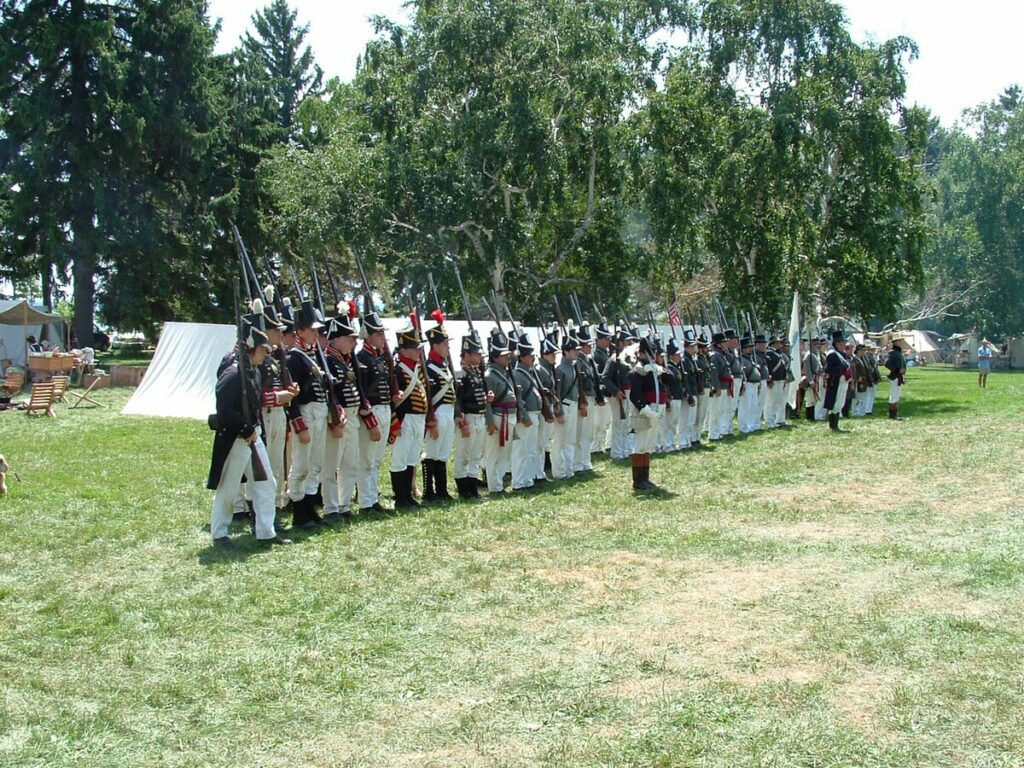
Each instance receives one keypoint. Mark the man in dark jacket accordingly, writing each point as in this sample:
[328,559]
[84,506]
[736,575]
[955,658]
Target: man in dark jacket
[897,366]
[238,444]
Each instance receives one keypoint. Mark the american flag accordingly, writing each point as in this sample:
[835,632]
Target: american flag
[673,314]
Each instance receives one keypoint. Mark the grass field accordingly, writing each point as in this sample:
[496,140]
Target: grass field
[797,599]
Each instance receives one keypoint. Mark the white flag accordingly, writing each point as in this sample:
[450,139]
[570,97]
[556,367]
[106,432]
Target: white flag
[795,362]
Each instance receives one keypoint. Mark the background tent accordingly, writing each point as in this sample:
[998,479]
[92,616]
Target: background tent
[18,319]
[181,379]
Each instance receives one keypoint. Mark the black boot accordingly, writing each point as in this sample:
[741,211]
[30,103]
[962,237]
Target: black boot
[894,412]
[638,472]
[441,480]
[833,423]
[311,506]
[429,494]
[405,498]
[464,490]
[646,480]
[809,413]
[397,483]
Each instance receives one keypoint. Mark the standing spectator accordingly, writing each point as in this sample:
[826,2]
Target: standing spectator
[985,354]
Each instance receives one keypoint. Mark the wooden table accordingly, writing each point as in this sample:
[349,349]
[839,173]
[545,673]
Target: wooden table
[45,367]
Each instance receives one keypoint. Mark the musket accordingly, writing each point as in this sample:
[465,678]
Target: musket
[259,472]
[437,304]
[334,409]
[367,309]
[580,394]
[247,270]
[599,399]
[278,300]
[417,324]
[354,361]
[545,407]
[465,299]
[492,311]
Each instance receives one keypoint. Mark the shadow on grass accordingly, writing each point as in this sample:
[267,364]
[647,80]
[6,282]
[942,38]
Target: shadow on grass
[932,406]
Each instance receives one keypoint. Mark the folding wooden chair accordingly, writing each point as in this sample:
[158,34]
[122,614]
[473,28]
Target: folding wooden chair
[60,387]
[83,397]
[41,400]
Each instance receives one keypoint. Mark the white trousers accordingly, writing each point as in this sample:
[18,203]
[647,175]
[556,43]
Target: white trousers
[776,407]
[341,466]
[763,397]
[750,416]
[371,456]
[679,425]
[469,451]
[647,439]
[308,458]
[582,443]
[602,421]
[734,407]
[699,417]
[441,448]
[840,396]
[544,432]
[525,449]
[275,432]
[239,462]
[563,439]
[497,457]
[872,393]
[619,447]
[408,446]
[895,388]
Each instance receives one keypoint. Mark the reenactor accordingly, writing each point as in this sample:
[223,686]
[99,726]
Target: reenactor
[501,413]
[567,410]
[412,417]
[376,384]
[526,445]
[733,406]
[720,360]
[702,362]
[810,379]
[838,373]
[676,433]
[545,370]
[861,381]
[749,416]
[761,358]
[471,394]
[616,380]
[602,407]
[237,444]
[645,399]
[444,403]
[341,457]
[307,414]
[588,379]
[897,366]
[778,370]
[871,357]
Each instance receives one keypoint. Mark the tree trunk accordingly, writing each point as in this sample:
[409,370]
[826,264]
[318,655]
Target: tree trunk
[46,281]
[83,258]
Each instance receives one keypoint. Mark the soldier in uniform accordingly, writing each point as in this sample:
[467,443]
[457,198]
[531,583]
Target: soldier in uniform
[525,447]
[412,417]
[720,360]
[861,381]
[691,387]
[820,412]
[731,412]
[838,373]
[702,364]
[645,399]
[749,416]
[676,436]
[810,379]
[236,442]
[602,409]
[871,357]
[373,368]
[341,458]
[777,370]
[501,413]
[567,410]
[471,395]
[588,379]
[616,380]
[545,370]
[897,366]
[307,414]
[444,400]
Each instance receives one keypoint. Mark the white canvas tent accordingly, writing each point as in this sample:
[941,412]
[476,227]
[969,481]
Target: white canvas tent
[181,379]
[19,319]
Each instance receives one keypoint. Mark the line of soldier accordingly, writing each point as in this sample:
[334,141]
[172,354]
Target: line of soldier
[333,410]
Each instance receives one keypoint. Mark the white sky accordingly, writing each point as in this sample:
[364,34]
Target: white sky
[966,49]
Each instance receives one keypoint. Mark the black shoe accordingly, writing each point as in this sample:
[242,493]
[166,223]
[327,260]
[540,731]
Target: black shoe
[223,541]
[333,517]
[480,483]
[275,540]
[309,525]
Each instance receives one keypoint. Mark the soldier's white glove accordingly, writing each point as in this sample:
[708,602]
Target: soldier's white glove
[650,414]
